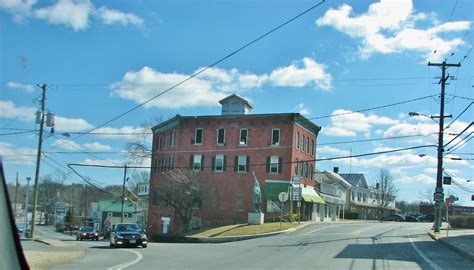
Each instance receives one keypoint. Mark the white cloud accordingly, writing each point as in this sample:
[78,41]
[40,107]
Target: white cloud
[332,151]
[67,145]
[112,16]
[347,123]
[18,8]
[302,109]
[213,84]
[27,87]
[22,155]
[388,27]
[63,124]
[96,146]
[72,13]
[104,162]
[9,110]
[300,74]
[418,179]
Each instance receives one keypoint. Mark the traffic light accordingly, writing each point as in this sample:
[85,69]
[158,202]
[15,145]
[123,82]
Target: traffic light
[447,180]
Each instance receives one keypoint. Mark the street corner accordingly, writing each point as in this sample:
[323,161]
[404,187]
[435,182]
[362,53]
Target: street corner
[434,236]
[46,258]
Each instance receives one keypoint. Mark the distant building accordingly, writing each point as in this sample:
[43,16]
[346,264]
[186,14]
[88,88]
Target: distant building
[334,191]
[225,149]
[103,215]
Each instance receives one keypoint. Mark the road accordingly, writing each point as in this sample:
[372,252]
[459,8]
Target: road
[388,245]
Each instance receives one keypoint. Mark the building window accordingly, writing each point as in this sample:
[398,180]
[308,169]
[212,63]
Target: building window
[274,164]
[109,214]
[302,142]
[171,166]
[163,166]
[358,196]
[305,170]
[352,196]
[300,168]
[312,147]
[157,166]
[297,168]
[275,136]
[221,136]
[310,171]
[241,163]
[172,138]
[307,145]
[197,162]
[243,139]
[198,136]
[297,140]
[158,142]
[219,163]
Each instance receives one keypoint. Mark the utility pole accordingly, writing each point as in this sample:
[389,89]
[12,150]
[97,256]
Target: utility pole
[25,227]
[123,190]
[38,158]
[85,204]
[439,195]
[16,194]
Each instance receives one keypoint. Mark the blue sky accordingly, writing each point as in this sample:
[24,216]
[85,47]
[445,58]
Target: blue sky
[102,58]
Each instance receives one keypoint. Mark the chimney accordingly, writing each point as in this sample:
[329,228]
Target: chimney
[335,169]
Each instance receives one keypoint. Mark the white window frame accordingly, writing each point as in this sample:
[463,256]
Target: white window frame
[307,145]
[197,159]
[278,142]
[195,135]
[221,158]
[171,163]
[274,164]
[246,136]
[302,142]
[298,140]
[217,135]
[173,138]
[242,164]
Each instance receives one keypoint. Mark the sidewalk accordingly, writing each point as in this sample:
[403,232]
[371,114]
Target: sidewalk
[51,252]
[459,240]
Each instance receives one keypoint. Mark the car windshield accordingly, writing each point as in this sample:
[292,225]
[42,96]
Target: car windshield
[88,229]
[127,227]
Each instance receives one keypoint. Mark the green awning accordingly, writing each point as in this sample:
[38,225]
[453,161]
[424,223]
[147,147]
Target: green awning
[312,198]
[272,189]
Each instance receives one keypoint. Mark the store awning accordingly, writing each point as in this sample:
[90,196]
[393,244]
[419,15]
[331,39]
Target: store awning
[273,188]
[308,194]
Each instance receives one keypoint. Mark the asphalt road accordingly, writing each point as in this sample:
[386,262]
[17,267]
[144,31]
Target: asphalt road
[318,246]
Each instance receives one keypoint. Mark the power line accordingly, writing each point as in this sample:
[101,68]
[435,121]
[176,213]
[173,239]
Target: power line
[16,133]
[88,182]
[373,108]
[444,33]
[459,115]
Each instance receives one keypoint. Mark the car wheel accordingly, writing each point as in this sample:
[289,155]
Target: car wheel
[111,245]
[80,239]
[144,246]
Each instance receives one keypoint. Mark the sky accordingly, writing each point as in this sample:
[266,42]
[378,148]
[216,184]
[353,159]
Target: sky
[355,68]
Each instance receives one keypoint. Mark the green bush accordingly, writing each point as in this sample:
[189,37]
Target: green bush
[292,218]
[459,221]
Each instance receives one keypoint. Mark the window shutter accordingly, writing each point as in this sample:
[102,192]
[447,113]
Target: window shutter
[225,163]
[280,165]
[248,164]
[236,163]
[213,163]
[202,163]
[268,164]
[191,160]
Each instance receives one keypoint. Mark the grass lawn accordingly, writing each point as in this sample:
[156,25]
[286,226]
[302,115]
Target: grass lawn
[236,230]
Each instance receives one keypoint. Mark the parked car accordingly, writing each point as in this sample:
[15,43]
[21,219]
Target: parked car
[394,217]
[128,234]
[87,233]
[427,218]
[410,218]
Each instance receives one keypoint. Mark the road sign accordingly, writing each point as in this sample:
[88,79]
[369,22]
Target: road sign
[283,196]
[295,193]
[439,197]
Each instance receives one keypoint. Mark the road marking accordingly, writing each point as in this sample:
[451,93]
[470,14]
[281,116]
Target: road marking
[430,262]
[127,264]
[319,229]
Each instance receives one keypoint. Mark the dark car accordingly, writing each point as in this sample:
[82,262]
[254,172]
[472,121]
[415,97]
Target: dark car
[411,219]
[128,234]
[427,218]
[394,217]
[87,233]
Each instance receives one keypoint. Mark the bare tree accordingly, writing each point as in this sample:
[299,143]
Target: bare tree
[427,195]
[386,191]
[139,147]
[138,178]
[183,191]
[50,187]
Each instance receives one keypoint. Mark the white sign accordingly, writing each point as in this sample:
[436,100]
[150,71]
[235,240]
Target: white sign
[283,196]
[295,193]
[296,180]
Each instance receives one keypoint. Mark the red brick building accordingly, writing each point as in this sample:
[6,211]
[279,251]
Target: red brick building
[225,149]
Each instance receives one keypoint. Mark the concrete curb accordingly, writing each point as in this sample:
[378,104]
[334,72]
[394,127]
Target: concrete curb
[451,246]
[226,239]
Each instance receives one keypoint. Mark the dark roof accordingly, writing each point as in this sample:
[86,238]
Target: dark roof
[240,98]
[355,179]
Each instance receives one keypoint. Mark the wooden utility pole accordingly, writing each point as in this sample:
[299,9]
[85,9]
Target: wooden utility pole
[16,195]
[38,159]
[439,195]
[123,190]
